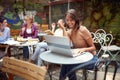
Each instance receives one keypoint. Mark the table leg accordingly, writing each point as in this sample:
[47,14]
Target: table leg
[31,51]
[9,51]
[48,68]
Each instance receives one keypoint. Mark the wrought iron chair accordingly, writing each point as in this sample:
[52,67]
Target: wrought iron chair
[28,71]
[105,40]
[99,75]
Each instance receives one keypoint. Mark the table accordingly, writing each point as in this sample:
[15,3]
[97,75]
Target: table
[40,35]
[60,59]
[28,42]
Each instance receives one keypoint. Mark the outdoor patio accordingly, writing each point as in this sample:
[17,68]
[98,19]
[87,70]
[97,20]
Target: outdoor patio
[93,14]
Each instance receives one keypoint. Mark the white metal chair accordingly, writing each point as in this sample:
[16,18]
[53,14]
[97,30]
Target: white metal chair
[105,40]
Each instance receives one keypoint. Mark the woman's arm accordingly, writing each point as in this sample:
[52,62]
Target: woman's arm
[88,39]
[65,32]
[53,27]
[22,30]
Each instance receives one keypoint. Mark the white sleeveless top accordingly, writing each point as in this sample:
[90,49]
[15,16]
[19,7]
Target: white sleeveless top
[58,32]
[29,31]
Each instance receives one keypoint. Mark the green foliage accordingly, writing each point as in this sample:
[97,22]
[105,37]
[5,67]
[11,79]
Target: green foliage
[106,15]
[34,6]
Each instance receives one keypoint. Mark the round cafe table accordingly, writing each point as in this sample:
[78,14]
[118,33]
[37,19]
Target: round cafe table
[55,58]
[61,59]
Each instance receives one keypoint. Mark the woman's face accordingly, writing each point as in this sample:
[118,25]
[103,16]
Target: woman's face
[70,22]
[27,20]
[5,23]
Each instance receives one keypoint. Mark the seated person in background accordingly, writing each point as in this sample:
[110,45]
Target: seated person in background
[42,46]
[28,30]
[56,32]
[4,30]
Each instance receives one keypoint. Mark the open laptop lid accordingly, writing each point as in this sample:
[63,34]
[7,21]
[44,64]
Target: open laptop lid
[59,45]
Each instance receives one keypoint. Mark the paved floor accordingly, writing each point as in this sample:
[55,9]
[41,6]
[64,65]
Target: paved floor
[79,75]
[56,70]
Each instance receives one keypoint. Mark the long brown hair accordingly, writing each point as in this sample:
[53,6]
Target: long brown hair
[73,15]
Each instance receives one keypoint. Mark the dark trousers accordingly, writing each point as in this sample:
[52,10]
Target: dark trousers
[66,68]
[25,52]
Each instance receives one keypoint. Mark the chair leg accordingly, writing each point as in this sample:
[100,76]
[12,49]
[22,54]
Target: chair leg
[10,76]
[84,74]
[9,52]
[50,74]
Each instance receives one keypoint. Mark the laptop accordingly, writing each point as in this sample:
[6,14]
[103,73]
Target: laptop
[60,45]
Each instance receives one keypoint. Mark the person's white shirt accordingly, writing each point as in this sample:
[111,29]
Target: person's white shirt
[58,32]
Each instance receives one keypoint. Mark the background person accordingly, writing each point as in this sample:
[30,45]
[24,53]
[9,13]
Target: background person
[4,30]
[42,46]
[28,30]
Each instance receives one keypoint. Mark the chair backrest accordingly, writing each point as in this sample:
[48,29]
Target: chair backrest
[14,32]
[101,37]
[44,27]
[23,69]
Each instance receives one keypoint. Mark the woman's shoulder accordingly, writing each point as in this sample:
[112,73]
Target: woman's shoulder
[83,28]
[35,25]
[7,28]
[85,32]
[24,25]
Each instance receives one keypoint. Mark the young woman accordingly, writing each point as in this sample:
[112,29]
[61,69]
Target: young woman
[81,40]
[29,29]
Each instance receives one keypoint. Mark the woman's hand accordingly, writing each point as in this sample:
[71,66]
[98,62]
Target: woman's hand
[53,25]
[79,50]
[23,29]
[61,24]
